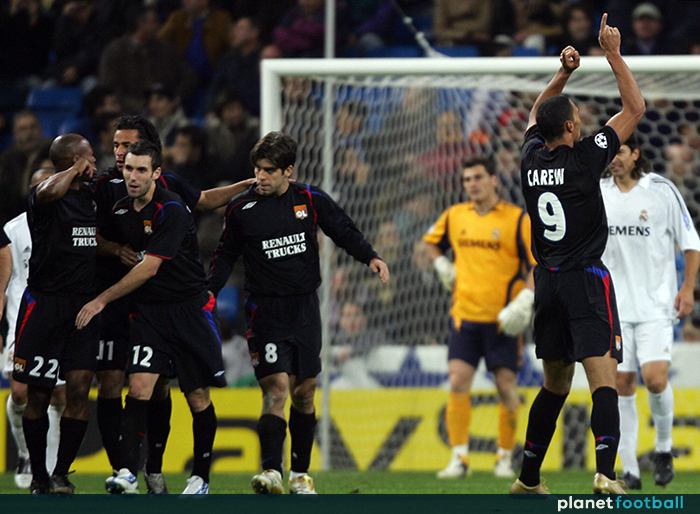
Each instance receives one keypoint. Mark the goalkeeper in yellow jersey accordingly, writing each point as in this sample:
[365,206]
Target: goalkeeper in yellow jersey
[492,303]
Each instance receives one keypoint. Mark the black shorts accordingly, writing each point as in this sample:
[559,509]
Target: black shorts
[47,344]
[576,314]
[475,340]
[115,335]
[284,335]
[178,339]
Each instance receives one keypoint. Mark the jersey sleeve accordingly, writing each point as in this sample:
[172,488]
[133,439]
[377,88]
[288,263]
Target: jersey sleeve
[438,234]
[189,193]
[684,233]
[525,241]
[226,254]
[599,149]
[169,229]
[337,225]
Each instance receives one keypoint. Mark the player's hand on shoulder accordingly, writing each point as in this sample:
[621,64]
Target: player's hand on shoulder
[570,59]
[515,317]
[379,266]
[446,272]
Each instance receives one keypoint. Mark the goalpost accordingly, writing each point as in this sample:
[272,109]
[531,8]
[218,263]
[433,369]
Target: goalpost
[386,138]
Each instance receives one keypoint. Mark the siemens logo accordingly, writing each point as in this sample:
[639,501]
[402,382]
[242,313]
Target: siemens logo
[630,230]
[468,243]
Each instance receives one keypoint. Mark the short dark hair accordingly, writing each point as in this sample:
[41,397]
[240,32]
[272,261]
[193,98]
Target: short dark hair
[486,162]
[552,114]
[146,129]
[278,148]
[144,147]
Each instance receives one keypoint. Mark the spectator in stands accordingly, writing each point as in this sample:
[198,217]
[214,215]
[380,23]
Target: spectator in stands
[15,163]
[353,342]
[301,31]
[577,28]
[647,32]
[371,24]
[27,31]
[166,113]
[78,42]
[679,162]
[135,62]
[232,134]
[239,68]
[190,159]
[199,34]
[104,125]
[459,22]
[100,100]
[528,23]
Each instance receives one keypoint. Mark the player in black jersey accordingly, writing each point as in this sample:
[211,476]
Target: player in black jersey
[575,311]
[172,333]
[274,226]
[115,259]
[61,218]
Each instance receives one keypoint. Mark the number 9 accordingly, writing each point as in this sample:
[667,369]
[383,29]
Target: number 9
[554,221]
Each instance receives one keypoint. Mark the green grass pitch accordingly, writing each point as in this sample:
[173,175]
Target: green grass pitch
[390,482]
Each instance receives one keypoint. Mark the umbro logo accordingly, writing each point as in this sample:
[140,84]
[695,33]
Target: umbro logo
[117,180]
[601,447]
[122,211]
[219,373]
[249,205]
[601,140]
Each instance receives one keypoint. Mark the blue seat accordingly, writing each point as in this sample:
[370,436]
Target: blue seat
[524,51]
[54,106]
[458,51]
[396,51]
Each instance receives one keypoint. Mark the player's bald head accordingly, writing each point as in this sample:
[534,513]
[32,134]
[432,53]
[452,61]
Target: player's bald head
[64,148]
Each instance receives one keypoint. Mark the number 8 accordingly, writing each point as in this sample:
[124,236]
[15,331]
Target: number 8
[554,221]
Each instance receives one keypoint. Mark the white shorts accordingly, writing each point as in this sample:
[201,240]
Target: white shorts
[644,342]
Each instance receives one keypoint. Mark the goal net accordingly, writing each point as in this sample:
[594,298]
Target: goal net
[386,138]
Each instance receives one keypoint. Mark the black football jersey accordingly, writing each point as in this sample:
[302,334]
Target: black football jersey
[163,228]
[562,192]
[110,188]
[64,243]
[277,237]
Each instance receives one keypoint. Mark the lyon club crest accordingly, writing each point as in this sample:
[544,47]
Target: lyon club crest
[147,227]
[300,211]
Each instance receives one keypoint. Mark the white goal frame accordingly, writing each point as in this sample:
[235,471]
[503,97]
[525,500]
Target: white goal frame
[272,71]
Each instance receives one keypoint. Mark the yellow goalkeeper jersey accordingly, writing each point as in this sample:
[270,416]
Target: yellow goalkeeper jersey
[492,257]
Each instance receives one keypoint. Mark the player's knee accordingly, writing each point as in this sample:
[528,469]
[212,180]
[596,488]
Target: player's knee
[656,384]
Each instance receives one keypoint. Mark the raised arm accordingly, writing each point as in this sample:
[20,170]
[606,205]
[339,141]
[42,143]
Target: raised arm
[220,196]
[570,60]
[57,185]
[625,121]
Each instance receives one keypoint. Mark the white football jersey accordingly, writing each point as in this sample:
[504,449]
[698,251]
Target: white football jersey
[17,230]
[644,226]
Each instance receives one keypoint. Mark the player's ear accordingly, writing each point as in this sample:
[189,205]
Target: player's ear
[569,125]
[157,172]
[288,171]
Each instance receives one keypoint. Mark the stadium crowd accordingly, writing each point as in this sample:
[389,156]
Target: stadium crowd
[192,68]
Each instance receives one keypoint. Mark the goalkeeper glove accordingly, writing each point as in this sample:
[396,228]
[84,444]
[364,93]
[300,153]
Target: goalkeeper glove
[515,317]
[446,271]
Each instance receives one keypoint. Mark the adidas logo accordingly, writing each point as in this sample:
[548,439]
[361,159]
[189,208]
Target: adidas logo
[248,205]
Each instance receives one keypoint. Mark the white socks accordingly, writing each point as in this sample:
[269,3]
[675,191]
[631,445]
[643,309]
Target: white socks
[53,437]
[662,412]
[629,434]
[14,416]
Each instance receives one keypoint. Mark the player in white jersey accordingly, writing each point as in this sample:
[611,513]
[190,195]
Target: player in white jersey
[647,219]
[17,231]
